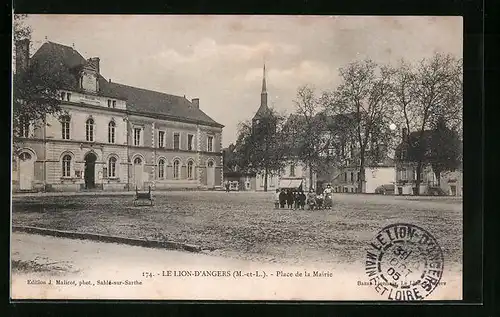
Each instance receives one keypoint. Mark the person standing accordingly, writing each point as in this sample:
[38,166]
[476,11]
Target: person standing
[302,199]
[277,196]
[311,199]
[282,198]
[327,193]
[289,199]
[296,200]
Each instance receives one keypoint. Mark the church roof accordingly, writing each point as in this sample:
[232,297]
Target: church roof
[139,100]
[262,112]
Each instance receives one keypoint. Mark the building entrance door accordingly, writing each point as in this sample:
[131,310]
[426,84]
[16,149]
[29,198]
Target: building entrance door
[453,189]
[138,172]
[89,176]
[210,174]
[26,171]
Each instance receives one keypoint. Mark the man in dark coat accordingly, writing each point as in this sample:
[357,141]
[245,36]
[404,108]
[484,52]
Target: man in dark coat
[282,197]
[289,199]
[302,199]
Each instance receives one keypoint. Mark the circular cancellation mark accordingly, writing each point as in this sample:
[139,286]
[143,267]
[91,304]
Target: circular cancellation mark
[404,262]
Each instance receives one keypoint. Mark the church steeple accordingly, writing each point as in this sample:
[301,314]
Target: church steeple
[263,94]
[263,110]
[264,90]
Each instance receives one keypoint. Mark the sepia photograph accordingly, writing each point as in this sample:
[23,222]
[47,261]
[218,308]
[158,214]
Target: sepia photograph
[237,157]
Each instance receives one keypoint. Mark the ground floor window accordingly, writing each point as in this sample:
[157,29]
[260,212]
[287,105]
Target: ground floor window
[190,169]
[176,169]
[112,167]
[161,168]
[66,166]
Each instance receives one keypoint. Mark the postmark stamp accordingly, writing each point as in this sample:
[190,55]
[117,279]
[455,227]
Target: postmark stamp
[404,262]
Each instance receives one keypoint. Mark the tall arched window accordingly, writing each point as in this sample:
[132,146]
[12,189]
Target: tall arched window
[161,168]
[111,132]
[112,167]
[66,166]
[176,169]
[65,121]
[89,128]
[190,170]
[292,170]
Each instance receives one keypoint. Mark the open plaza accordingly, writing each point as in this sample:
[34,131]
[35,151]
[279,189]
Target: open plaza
[245,225]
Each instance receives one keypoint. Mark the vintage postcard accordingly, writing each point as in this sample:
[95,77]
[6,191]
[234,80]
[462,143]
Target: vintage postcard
[199,157]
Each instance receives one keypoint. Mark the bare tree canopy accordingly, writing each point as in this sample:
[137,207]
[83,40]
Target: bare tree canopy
[364,94]
[363,119]
[260,146]
[309,135]
[425,95]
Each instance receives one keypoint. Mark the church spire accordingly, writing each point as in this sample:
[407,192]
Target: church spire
[264,88]
[263,94]
[263,110]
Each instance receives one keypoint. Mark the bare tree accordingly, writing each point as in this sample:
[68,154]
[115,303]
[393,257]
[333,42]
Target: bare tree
[309,139]
[36,84]
[260,145]
[364,96]
[423,95]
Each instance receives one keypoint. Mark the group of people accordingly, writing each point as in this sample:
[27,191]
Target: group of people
[291,199]
[297,199]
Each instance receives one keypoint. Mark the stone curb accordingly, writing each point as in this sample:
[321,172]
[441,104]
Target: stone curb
[108,239]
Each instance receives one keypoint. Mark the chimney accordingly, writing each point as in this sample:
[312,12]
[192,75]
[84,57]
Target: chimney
[95,62]
[22,55]
[196,102]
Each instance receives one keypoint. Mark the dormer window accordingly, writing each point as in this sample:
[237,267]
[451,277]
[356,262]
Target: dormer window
[89,80]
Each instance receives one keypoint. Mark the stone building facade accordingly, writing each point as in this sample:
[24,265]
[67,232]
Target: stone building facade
[115,137]
[449,182]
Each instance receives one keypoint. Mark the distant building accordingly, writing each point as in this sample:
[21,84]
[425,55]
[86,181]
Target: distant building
[114,136]
[450,182]
[240,180]
[348,179]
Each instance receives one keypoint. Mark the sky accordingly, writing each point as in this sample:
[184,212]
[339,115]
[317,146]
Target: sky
[219,59]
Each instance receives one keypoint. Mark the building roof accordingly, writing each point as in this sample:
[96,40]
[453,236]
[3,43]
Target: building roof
[59,54]
[152,102]
[139,100]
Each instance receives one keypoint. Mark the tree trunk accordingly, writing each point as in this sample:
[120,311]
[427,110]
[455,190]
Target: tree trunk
[418,180]
[266,172]
[310,177]
[361,179]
